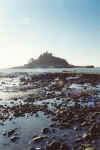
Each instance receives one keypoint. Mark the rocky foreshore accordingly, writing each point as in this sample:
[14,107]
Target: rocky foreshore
[63,115]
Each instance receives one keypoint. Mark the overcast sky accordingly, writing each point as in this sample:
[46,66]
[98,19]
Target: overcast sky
[68,28]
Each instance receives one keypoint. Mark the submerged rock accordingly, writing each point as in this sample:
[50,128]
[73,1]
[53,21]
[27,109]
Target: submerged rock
[94,131]
[4,133]
[38,139]
[56,145]
[45,130]
[13,138]
[11,131]
[85,136]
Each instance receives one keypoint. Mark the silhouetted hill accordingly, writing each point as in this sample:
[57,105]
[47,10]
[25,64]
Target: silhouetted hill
[47,60]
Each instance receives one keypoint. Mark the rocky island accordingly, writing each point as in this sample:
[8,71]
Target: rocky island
[47,60]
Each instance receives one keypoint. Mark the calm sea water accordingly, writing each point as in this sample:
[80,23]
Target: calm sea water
[42,70]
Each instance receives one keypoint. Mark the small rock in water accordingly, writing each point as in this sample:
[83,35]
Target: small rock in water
[85,135]
[38,139]
[11,131]
[57,146]
[10,117]
[13,138]
[84,124]
[75,128]
[4,133]
[45,130]
[54,145]
[11,102]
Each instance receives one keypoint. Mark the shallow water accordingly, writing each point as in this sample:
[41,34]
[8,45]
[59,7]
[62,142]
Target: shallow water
[12,95]
[27,127]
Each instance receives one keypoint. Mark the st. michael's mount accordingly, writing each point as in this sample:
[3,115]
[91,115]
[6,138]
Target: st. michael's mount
[47,60]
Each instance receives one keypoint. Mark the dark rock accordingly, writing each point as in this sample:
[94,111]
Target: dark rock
[13,138]
[11,131]
[38,139]
[4,133]
[94,131]
[57,146]
[85,136]
[45,130]
[64,147]
[54,146]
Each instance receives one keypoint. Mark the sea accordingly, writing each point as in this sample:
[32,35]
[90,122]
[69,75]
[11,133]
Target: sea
[95,70]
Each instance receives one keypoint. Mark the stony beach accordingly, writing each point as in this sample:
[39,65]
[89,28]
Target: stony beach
[50,111]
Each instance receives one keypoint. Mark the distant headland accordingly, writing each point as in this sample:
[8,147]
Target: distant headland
[47,60]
